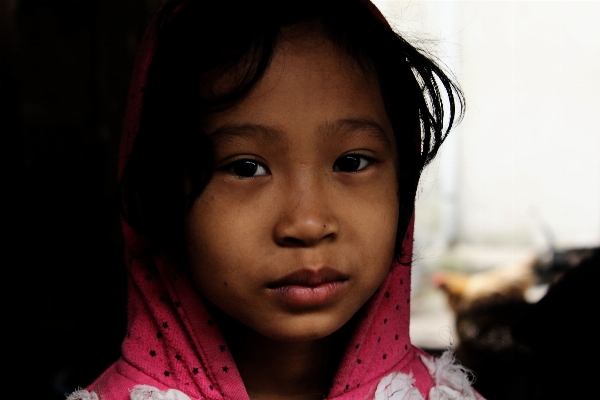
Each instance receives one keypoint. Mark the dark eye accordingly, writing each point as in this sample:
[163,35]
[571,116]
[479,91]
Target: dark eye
[247,168]
[351,163]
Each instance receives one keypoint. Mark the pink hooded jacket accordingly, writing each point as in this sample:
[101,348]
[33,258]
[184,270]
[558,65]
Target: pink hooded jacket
[173,349]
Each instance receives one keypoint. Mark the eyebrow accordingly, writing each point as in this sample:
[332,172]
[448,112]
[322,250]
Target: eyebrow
[352,126]
[358,126]
[231,131]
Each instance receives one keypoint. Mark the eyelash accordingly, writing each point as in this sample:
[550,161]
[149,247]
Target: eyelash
[255,166]
[241,162]
[363,160]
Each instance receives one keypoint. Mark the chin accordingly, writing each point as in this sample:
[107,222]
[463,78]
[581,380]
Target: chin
[303,329]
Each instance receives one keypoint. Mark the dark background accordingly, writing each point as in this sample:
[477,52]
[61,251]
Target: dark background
[64,69]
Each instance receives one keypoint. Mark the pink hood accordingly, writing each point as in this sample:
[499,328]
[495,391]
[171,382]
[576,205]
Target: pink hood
[172,341]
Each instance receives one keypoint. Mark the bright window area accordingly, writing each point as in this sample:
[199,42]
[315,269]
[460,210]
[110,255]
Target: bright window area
[527,155]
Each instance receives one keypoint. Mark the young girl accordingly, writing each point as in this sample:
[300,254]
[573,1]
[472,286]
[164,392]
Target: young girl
[269,162]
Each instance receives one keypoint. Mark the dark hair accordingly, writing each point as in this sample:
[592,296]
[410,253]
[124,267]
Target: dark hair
[201,40]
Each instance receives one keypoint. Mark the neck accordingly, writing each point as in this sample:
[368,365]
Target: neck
[273,370]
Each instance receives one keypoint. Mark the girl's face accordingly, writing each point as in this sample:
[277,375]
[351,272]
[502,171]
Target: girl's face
[296,229]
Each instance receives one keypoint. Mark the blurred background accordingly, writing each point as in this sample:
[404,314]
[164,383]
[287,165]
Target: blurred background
[520,174]
[525,162]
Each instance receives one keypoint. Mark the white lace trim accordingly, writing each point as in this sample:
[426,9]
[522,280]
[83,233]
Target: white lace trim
[139,392]
[82,395]
[397,386]
[145,392]
[452,382]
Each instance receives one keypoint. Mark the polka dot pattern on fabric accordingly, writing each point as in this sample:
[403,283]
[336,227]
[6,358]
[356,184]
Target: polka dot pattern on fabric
[383,341]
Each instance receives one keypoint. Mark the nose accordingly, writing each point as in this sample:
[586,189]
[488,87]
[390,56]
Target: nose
[307,218]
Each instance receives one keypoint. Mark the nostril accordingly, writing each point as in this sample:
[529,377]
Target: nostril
[290,241]
[304,229]
[294,242]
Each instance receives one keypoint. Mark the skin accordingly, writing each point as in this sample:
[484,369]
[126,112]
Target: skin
[300,210]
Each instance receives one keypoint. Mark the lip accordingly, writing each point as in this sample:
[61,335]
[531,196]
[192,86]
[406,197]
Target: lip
[309,288]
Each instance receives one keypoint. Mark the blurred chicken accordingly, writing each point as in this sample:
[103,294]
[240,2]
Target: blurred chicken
[516,347]
[498,285]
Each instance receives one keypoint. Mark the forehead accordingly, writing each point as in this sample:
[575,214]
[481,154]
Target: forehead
[310,82]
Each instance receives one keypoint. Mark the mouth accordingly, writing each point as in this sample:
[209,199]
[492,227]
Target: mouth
[307,288]
[309,278]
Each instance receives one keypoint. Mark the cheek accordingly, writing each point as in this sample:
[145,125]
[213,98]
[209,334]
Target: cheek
[222,236]
[375,212]
[209,240]
[371,221]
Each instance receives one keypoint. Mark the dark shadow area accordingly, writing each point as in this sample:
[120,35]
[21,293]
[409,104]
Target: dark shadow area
[529,350]
[65,69]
